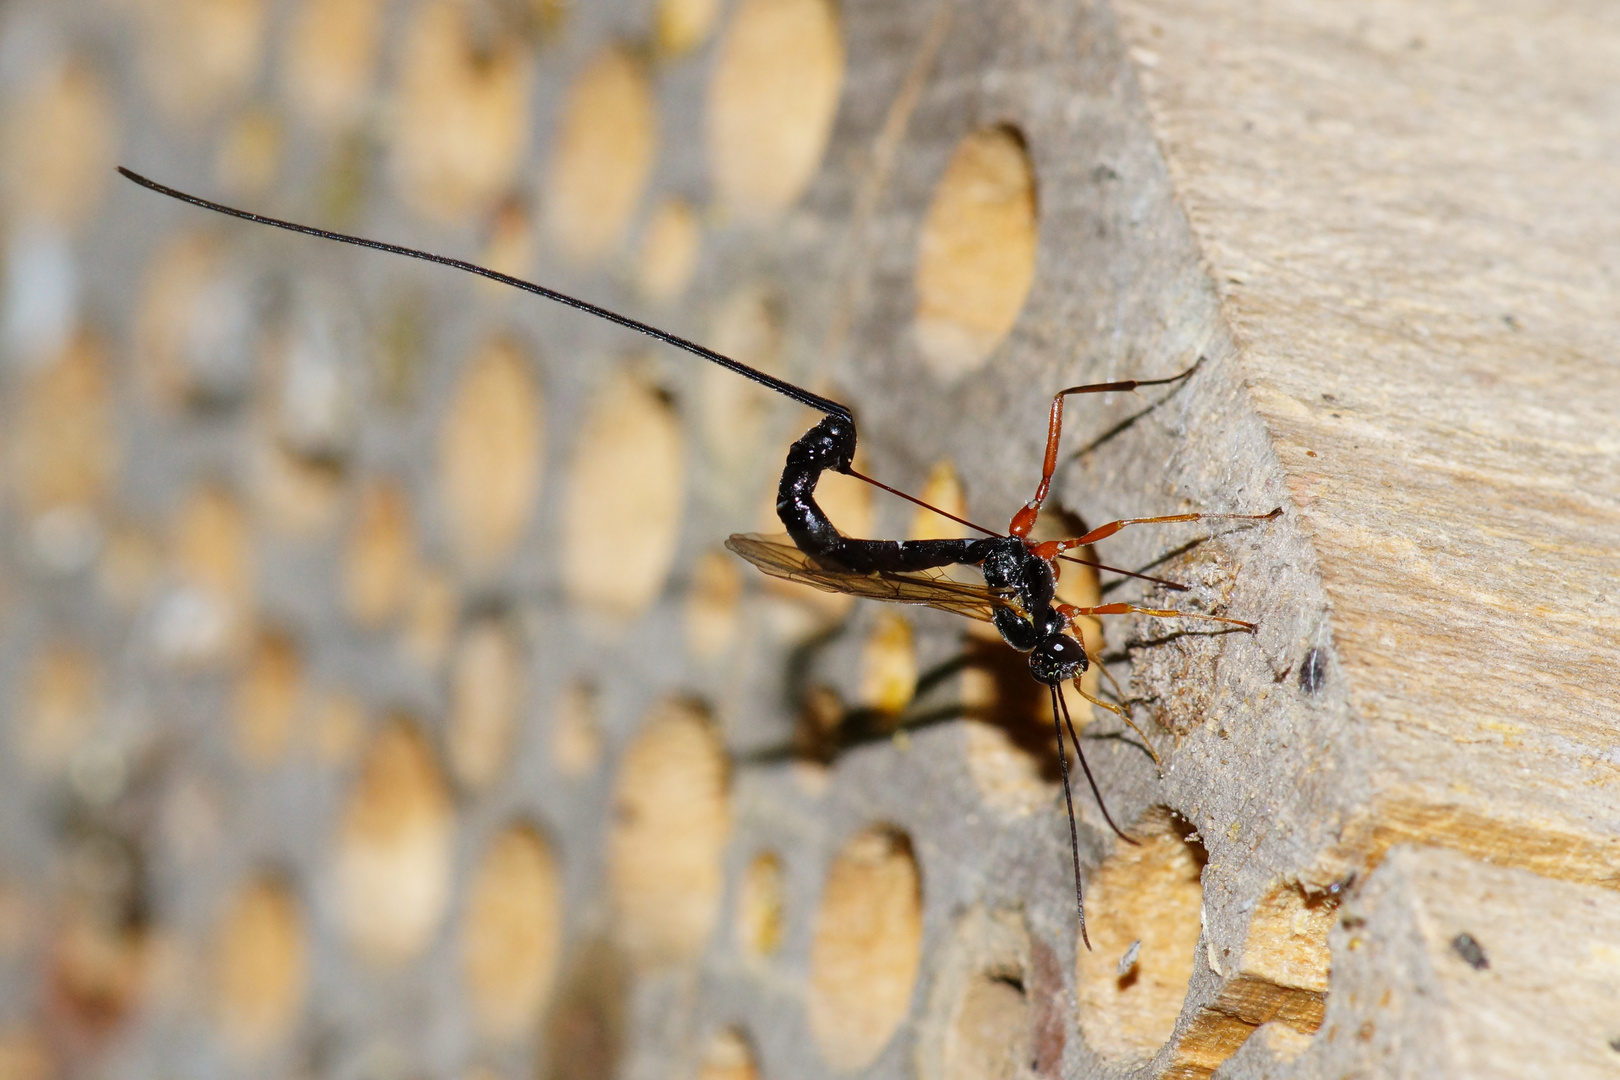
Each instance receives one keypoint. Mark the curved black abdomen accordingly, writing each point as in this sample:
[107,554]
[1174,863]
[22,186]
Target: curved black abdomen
[831,445]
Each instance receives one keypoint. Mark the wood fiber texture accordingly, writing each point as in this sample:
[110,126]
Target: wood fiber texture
[380,701]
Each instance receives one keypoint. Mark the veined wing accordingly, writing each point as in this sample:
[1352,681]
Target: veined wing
[779,558]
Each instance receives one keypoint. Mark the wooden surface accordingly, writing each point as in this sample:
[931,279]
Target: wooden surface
[380,702]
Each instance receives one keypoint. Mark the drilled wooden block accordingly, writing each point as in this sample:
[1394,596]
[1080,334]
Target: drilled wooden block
[381,702]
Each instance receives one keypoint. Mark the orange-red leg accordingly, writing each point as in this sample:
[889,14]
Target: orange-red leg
[1024,520]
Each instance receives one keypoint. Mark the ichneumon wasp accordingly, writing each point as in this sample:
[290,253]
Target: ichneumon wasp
[1020,574]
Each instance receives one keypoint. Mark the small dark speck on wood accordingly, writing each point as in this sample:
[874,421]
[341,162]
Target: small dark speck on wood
[1313,671]
[1473,955]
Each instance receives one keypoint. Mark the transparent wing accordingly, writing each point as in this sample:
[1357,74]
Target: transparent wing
[779,558]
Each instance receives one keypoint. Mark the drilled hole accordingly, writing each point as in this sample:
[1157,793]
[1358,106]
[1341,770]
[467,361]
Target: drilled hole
[888,665]
[942,489]
[463,119]
[380,557]
[261,966]
[671,819]
[45,177]
[868,942]
[683,25]
[713,604]
[669,251]
[981,1018]
[394,848]
[199,54]
[606,141]
[586,1029]
[772,102]
[206,613]
[728,1057]
[733,412]
[976,255]
[268,698]
[623,508]
[762,906]
[486,694]
[197,327]
[576,733]
[490,454]
[513,932]
[64,706]
[1151,894]
[331,60]
[248,161]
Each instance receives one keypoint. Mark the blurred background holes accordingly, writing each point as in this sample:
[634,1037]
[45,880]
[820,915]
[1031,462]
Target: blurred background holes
[268,699]
[622,512]
[430,617]
[976,255]
[131,560]
[380,559]
[510,247]
[206,614]
[394,848]
[338,724]
[762,906]
[317,409]
[1152,894]
[486,696]
[576,732]
[586,1030]
[979,1023]
[728,1057]
[198,56]
[603,152]
[490,454]
[772,100]
[41,292]
[461,115]
[512,933]
[45,178]
[248,161]
[671,817]
[713,604]
[669,251]
[26,1055]
[683,25]
[1006,775]
[888,664]
[944,490]
[331,60]
[746,326]
[261,966]
[294,496]
[64,445]
[197,327]
[868,941]
[63,707]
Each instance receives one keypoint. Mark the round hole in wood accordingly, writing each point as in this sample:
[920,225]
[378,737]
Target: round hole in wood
[394,848]
[942,489]
[585,1033]
[622,512]
[206,614]
[490,454]
[671,819]
[868,941]
[713,604]
[198,55]
[669,251]
[513,932]
[261,966]
[462,113]
[576,732]
[269,696]
[43,176]
[63,444]
[248,161]
[430,616]
[762,906]
[772,101]
[486,695]
[976,255]
[380,557]
[330,60]
[64,706]
[980,1022]
[888,664]
[728,1057]
[683,25]
[1152,894]
[197,328]
[602,155]
[733,412]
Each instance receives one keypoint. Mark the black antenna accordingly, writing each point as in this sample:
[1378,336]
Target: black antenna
[786,389]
